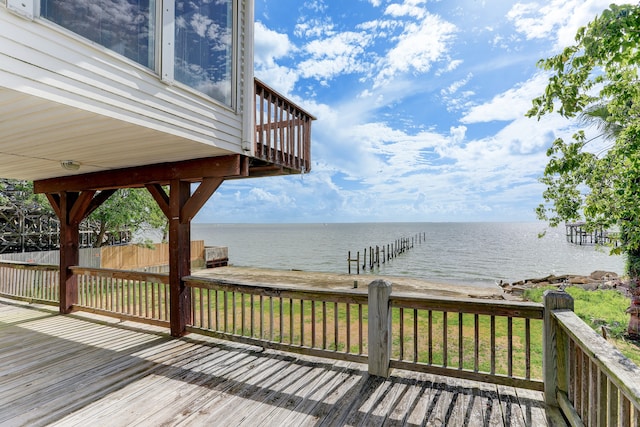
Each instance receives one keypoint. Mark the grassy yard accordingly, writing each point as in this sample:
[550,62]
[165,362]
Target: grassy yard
[425,336]
[435,337]
[601,308]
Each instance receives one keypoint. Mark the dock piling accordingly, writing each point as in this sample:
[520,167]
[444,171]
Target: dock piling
[390,251]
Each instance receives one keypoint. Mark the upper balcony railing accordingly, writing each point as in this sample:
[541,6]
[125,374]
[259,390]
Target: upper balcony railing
[283,131]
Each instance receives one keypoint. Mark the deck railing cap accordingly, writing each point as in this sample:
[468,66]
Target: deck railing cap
[279,95]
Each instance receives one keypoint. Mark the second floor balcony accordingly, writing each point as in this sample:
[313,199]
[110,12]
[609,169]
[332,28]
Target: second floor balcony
[283,133]
[75,99]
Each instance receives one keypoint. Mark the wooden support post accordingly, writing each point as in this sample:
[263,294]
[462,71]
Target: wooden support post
[69,253]
[364,260]
[71,208]
[556,349]
[379,328]
[179,258]
[370,258]
[180,207]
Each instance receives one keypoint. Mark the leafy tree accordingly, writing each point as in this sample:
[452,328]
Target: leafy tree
[596,80]
[20,194]
[128,209]
[125,210]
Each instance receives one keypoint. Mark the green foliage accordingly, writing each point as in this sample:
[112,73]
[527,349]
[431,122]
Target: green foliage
[126,209]
[597,80]
[20,194]
[129,209]
[596,308]
[601,308]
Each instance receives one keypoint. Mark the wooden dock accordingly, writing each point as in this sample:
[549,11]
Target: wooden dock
[578,234]
[84,369]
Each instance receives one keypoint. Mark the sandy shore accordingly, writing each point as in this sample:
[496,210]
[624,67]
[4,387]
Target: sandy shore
[288,278]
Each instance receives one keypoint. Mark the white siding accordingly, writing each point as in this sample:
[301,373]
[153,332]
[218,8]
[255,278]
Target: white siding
[60,91]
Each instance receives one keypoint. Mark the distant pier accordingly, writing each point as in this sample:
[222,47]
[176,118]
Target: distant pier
[392,250]
[579,235]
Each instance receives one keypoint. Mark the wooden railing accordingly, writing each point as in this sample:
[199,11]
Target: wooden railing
[427,334]
[30,282]
[490,341]
[317,322]
[283,130]
[127,294]
[508,343]
[592,382]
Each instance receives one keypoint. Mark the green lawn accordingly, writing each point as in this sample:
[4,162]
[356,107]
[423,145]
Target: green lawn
[601,308]
[289,321]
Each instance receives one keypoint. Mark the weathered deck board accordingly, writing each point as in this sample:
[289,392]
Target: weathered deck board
[88,370]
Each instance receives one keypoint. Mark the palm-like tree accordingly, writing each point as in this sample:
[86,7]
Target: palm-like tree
[598,115]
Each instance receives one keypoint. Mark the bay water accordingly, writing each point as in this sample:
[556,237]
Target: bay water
[464,253]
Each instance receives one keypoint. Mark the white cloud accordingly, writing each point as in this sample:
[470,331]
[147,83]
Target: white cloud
[342,44]
[557,20]
[408,8]
[453,87]
[340,54]
[313,28]
[270,45]
[452,65]
[261,195]
[410,125]
[508,105]
[418,47]
[282,79]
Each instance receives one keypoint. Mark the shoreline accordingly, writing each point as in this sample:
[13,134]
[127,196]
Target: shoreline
[338,281]
[514,291]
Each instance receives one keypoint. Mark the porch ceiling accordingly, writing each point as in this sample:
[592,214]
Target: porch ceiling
[36,135]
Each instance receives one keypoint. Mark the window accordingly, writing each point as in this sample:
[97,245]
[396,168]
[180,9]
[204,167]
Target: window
[203,46]
[127,27]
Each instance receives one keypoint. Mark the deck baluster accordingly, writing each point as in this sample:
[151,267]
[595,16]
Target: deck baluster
[445,337]
[415,335]
[476,342]
[324,325]
[360,335]
[313,323]
[348,332]
[510,346]
[430,336]
[302,323]
[281,319]
[460,342]
[335,326]
[401,337]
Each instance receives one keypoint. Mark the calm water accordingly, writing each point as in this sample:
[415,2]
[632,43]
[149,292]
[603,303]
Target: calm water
[469,253]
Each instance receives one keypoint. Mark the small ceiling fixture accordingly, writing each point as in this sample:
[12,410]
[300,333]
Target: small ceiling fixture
[70,165]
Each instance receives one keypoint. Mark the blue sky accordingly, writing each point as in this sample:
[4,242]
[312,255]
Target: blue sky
[420,108]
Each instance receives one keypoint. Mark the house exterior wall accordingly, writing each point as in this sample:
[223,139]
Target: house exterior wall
[40,60]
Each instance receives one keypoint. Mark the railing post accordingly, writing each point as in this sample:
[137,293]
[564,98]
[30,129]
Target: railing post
[556,351]
[379,328]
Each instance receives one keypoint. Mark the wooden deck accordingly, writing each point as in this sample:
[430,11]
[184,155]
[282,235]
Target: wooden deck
[88,370]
